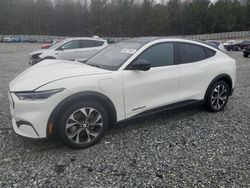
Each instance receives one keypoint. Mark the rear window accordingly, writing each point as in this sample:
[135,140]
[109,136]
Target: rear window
[90,43]
[209,52]
[189,53]
[87,43]
[99,43]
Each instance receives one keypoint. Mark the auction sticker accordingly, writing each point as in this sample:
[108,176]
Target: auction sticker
[128,51]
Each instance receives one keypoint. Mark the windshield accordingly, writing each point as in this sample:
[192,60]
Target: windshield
[113,56]
[58,44]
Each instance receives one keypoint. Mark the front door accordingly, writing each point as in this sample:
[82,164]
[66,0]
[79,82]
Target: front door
[146,90]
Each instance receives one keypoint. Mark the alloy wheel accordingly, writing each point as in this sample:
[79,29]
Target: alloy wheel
[219,97]
[84,125]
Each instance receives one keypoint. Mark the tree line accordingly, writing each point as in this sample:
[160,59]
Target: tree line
[120,18]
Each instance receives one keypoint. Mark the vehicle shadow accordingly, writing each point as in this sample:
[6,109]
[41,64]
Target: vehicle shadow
[173,114]
[118,129]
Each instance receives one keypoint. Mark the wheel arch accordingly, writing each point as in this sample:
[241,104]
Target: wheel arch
[224,77]
[53,121]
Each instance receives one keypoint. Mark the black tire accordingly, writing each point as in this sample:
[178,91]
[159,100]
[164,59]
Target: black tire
[212,99]
[73,109]
[245,54]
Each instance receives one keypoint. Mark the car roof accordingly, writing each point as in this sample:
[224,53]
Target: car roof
[143,39]
[85,38]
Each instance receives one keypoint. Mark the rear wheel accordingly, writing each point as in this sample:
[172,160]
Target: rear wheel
[83,124]
[217,97]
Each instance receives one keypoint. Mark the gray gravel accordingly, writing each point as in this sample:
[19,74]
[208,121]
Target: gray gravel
[182,148]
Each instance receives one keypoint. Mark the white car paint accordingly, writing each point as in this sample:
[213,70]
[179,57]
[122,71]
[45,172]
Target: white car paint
[57,52]
[221,47]
[132,92]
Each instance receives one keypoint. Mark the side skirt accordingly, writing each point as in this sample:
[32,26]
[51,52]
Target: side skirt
[164,108]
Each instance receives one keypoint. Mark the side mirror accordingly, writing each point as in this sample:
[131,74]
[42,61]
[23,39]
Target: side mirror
[141,65]
[59,49]
[82,60]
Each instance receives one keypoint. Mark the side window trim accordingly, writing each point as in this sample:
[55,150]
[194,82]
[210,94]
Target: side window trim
[176,59]
[171,42]
[207,53]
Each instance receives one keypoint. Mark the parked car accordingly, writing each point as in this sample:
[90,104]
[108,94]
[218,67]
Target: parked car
[232,45]
[244,44]
[126,80]
[216,44]
[239,45]
[7,39]
[69,49]
[11,39]
[246,51]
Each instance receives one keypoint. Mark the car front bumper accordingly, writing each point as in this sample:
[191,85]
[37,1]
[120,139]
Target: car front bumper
[30,118]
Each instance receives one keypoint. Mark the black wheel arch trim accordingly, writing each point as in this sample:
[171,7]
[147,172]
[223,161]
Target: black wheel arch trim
[224,77]
[22,122]
[164,108]
[86,95]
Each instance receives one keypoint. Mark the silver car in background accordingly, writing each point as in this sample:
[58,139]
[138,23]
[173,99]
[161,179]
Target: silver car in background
[70,49]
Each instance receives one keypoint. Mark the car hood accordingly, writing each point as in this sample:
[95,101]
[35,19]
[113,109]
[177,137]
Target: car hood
[38,51]
[48,71]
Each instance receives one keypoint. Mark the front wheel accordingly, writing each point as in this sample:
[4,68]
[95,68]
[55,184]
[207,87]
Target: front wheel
[217,97]
[83,124]
[245,54]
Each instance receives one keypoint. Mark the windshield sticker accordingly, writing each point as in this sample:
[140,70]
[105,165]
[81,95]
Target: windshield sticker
[128,51]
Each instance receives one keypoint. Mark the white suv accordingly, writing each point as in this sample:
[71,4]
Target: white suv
[123,81]
[69,49]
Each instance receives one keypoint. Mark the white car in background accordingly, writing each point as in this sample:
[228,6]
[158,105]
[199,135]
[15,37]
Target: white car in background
[228,44]
[70,49]
[129,79]
[7,39]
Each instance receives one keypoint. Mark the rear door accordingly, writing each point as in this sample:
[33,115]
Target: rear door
[195,65]
[69,51]
[89,48]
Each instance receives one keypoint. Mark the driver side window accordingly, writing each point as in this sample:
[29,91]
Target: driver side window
[74,44]
[158,55]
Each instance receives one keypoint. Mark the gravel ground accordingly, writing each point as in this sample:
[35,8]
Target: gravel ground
[182,148]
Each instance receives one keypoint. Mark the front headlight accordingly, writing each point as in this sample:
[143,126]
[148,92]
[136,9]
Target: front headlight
[37,95]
